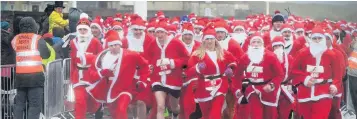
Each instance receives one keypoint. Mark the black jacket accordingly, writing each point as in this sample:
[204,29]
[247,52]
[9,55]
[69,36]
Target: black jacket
[7,52]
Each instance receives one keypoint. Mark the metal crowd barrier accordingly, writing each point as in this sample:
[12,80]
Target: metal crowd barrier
[8,91]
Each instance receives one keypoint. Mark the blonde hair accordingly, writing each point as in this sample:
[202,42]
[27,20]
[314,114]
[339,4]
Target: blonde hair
[201,51]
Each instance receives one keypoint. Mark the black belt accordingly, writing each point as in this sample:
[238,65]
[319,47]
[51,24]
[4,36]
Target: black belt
[213,77]
[285,82]
[248,82]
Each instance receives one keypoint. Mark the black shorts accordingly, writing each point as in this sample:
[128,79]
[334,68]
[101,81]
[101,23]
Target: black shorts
[174,93]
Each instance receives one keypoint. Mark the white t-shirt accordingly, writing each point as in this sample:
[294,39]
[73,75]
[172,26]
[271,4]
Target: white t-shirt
[213,56]
[108,61]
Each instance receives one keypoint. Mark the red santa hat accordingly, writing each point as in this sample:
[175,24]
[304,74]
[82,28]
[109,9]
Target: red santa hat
[160,14]
[172,28]
[83,15]
[238,24]
[329,33]
[222,26]
[252,30]
[299,27]
[200,24]
[97,22]
[265,26]
[277,12]
[118,17]
[112,38]
[287,27]
[162,26]
[151,26]
[309,26]
[117,24]
[257,36]
[187,28]
[192,16]
[108,22]
[318,32]
[278,40]
[138,24]
[175,20]
[83,23]
[209,31]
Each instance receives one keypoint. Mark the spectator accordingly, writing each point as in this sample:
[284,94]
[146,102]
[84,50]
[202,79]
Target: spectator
[44,19]
[7,53]
[48,38]
[56,17]
[29,71]
[58,34]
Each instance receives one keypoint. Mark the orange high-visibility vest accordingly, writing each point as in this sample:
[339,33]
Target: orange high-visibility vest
[28,59]
[352,60]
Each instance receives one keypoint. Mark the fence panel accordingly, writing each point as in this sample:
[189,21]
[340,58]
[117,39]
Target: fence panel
[54,95]
[8,91]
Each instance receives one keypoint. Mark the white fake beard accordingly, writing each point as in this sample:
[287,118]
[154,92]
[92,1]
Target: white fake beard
[83,37]
[280,54]
[318,48]
[289,42]
[240,37]
[255,54]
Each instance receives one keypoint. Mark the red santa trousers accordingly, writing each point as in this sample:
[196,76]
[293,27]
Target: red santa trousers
[118,108]
[284,107]
[212,109]
[335,112]
[241,111]
[315,110]
[257,110]
[84,103]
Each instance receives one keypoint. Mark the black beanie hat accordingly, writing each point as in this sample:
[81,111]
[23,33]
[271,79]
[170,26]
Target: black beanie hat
[278,17]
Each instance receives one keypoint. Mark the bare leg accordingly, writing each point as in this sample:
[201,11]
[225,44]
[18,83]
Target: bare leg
[160,99]
[174,104]
[141,109]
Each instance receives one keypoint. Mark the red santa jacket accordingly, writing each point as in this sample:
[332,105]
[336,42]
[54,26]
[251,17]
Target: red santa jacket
[169,76]
[207,88]
[268,37]
[138,45]
[268,71]
[287,80]
[107,90]
[342,63]
[94,47]
[302,40]
[232,46]
[304,68]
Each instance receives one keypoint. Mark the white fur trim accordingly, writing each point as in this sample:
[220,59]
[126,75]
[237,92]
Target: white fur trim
[328,35]
[317,35]
[81,83]
[197,70]
[175,22]
[189,81]
[96,25]
[114,43]
[208,36]
[151,28]
[172,63]
[336,31]
[82,26]
[221,29]
[198,26]
[256,37]
[161,29]
[287,93]
[236,27]
[300,29]
[137,27]
[117,18]
[307,79]
[187,32]
[286,29]
[83,15]
[315,98]
[208,98]
[277,43]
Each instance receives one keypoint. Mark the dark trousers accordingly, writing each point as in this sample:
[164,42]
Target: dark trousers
[34,96]
[353,89]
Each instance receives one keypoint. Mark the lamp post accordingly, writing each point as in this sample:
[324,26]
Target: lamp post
[267,7]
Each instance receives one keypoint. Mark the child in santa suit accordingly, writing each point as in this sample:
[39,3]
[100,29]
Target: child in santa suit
[83,44]
[167,56]
[286,98]
[211,65]
[115,68]
[316,69]
[259,76]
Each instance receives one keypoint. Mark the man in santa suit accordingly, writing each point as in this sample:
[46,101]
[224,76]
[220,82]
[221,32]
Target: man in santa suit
[117,26]
[97,28]
[138,42]
[300,34]
[286,98]
[83,44]
[167,56]
[239,32]
[335,112]
[277,21]
[316,70]
[292,46]
[258,81]
[198,34]
[227,42]
[114,69]
[188,105]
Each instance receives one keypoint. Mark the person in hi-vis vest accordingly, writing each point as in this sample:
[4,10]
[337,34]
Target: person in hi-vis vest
[30,49]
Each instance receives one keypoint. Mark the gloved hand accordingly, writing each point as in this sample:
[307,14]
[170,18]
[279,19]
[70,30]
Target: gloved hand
[201,66]
[228,72]
[294,89]
[107,73]
[140,86]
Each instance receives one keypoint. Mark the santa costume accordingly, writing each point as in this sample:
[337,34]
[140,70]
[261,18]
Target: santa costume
[115,74]
[212,82]
[200,24]
[187,102]
[98,22]
[316,70]
[258,69]
[292,46]
[80,46]
[241,36]
[286,98]
[268,37]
